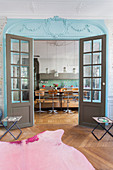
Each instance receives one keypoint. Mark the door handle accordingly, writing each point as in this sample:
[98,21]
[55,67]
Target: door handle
[103,83]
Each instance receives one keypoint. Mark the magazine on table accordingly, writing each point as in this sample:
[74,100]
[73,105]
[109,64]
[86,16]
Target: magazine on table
[102,119]
[12,119]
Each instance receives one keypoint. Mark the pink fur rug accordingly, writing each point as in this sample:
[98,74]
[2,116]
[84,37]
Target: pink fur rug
[44,151]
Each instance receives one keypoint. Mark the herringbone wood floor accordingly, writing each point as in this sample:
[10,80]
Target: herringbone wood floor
[100,154]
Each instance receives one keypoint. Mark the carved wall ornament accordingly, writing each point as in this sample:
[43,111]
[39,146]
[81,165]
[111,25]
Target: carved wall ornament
[30,27]
[79,29]
[55,28]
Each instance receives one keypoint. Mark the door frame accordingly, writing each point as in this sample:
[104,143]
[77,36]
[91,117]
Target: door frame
[79,68]
[16,27]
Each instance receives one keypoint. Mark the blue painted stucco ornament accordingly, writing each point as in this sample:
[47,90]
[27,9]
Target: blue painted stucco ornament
[0,114]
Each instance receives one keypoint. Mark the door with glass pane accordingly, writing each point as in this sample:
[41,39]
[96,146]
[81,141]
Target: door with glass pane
[19,62]
[92,79]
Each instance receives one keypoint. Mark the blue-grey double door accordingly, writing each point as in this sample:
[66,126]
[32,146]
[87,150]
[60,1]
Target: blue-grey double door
[19,62]
[92,79]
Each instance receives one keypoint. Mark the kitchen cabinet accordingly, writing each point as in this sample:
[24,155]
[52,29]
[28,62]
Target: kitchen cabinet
[64,76]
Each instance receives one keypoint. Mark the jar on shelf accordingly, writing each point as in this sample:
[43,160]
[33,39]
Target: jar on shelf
[64,69]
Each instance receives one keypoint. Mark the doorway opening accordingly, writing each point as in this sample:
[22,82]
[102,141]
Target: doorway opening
[92,79]
[67,30]
[56,66]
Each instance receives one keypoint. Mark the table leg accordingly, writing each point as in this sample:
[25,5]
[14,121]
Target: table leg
[93,131]
[8,130]
[107,131]
[60,97]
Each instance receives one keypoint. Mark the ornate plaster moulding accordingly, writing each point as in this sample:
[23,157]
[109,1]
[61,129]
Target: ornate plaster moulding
[55,28]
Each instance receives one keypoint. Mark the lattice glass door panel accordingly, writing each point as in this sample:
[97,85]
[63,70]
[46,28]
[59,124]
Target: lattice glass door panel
[20,79]
[92,70]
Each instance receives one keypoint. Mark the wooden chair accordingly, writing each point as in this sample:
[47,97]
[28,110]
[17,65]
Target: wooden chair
[52,94]
[76,88]
[68,94]
[39,94]
[76,95]
[63,89]
[43,89]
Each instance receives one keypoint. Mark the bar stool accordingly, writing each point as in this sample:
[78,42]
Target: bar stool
[52,93]
[68,94]
[42,89]
[76,94]
[39,94]
[63,89]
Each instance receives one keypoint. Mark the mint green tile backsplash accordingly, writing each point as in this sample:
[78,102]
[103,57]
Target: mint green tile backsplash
[61,83]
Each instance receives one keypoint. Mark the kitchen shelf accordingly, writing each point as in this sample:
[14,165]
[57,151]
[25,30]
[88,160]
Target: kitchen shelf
[64,76]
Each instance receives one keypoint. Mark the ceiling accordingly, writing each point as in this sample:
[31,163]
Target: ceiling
[75,9]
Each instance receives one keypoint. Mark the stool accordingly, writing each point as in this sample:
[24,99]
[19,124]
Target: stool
[63,89]
[14,121]
[68,94]
[100,121]
[39,93]
[52,93]
[76,93]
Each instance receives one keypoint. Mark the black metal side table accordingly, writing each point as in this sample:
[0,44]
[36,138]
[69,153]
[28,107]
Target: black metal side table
[100,121]
[14,121]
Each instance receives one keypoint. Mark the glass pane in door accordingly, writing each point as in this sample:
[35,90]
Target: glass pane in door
[15,96]
[96,71]
[25,83]
[24,46]
[87,59]
[86,96]
[25,96]
[87,46]
[15,59]
[14,45]
[15,84]
[87,83]
[97,45]
[25,59]
[96,96]
[87,71]
[97,83]
[24,71]
[97,58]
[15,71]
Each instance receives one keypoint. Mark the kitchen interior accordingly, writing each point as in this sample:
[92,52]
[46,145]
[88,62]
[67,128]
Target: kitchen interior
[56,68]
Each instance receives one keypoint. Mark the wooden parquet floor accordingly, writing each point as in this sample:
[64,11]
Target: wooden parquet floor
[59,118]
[100,154]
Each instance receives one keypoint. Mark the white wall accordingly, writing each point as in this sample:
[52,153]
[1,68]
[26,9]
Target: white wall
[3,21]
[56,55]
[109,24]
